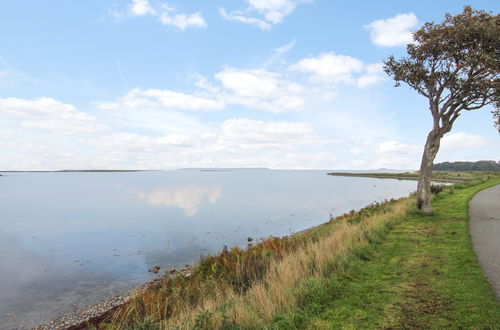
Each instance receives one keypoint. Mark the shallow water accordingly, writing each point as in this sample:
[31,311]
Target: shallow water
[71,239]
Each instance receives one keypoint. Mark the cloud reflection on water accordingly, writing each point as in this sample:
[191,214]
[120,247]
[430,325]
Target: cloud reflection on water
[187,198]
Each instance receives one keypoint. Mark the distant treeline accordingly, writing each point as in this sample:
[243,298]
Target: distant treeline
[482,165]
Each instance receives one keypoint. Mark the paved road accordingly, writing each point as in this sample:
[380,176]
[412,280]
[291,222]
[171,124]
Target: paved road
[484,215]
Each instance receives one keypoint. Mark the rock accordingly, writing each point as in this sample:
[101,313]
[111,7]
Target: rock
[79,316]
[155,269]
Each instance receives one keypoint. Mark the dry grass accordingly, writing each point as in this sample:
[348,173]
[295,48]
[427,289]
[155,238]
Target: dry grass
[279,291]
[248,287]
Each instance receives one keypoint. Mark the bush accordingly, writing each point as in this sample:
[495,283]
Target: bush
[437,188]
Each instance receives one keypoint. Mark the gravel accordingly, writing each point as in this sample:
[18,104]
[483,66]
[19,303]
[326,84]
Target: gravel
[77,318]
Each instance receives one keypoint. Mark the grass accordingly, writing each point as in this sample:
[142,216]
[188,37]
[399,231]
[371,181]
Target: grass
[424,275]
[444,176]
[386,266]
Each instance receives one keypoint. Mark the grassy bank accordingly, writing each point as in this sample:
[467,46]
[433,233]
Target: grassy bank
[444,176]
[423,275]
[386,266]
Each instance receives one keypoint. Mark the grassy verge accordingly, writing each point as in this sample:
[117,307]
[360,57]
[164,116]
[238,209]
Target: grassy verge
[386,266]
[445,176]
[423,275]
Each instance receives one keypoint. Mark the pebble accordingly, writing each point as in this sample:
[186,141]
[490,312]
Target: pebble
[84,314]
[79,316]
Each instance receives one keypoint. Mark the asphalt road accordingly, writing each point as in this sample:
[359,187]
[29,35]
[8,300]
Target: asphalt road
[484,215]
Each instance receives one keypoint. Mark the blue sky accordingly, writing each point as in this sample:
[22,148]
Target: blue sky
[146,84]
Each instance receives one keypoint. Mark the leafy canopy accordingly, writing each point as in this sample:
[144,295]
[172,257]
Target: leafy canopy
[455,64]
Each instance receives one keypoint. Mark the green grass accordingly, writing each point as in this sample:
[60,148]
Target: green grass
[423,275]
[444,176]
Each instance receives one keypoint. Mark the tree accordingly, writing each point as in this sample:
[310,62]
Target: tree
[481,165]
[496,115]
[456,66]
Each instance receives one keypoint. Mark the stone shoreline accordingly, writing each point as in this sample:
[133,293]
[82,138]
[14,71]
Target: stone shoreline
[78,318]
[92,314]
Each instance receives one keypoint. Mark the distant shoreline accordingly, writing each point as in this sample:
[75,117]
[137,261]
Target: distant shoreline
[397,176]
[71,171]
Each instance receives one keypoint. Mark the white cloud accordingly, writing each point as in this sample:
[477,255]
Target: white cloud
[398,147]
[261,89]
[141,8]
[461,140]
[186,142]
[116,13]
[203,83]
[374,73]
[394,31]
[182,21]
[134,143]
[239,17]
[189,199]
[356,151]
[244,134]
[271,11]
[162,99]
[255,89]
[329,67]
[461,146]
[165,14]
[215,124]
[237,142]
[258,89]
[48,114]
[250,83]
[277,58]
[397,155]
[138,110]
[285,48]
[333,68]
[455,146]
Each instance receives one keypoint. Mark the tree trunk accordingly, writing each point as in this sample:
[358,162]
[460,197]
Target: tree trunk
[424,183]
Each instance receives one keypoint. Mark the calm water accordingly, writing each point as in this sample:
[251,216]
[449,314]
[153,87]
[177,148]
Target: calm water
[70,239]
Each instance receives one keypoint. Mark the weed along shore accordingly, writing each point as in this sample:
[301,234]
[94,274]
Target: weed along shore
[385,266]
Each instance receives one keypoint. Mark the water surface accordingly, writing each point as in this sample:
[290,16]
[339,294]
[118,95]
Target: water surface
[71,239]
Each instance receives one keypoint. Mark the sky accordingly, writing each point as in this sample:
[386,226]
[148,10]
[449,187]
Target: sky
[283,84]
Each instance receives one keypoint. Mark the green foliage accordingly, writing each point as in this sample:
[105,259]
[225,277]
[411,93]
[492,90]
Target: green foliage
[436,188]
[455,64]
[482,165]
[203,321]
[496,117]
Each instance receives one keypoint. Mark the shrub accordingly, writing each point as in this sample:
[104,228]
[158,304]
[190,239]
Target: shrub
[437,188]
